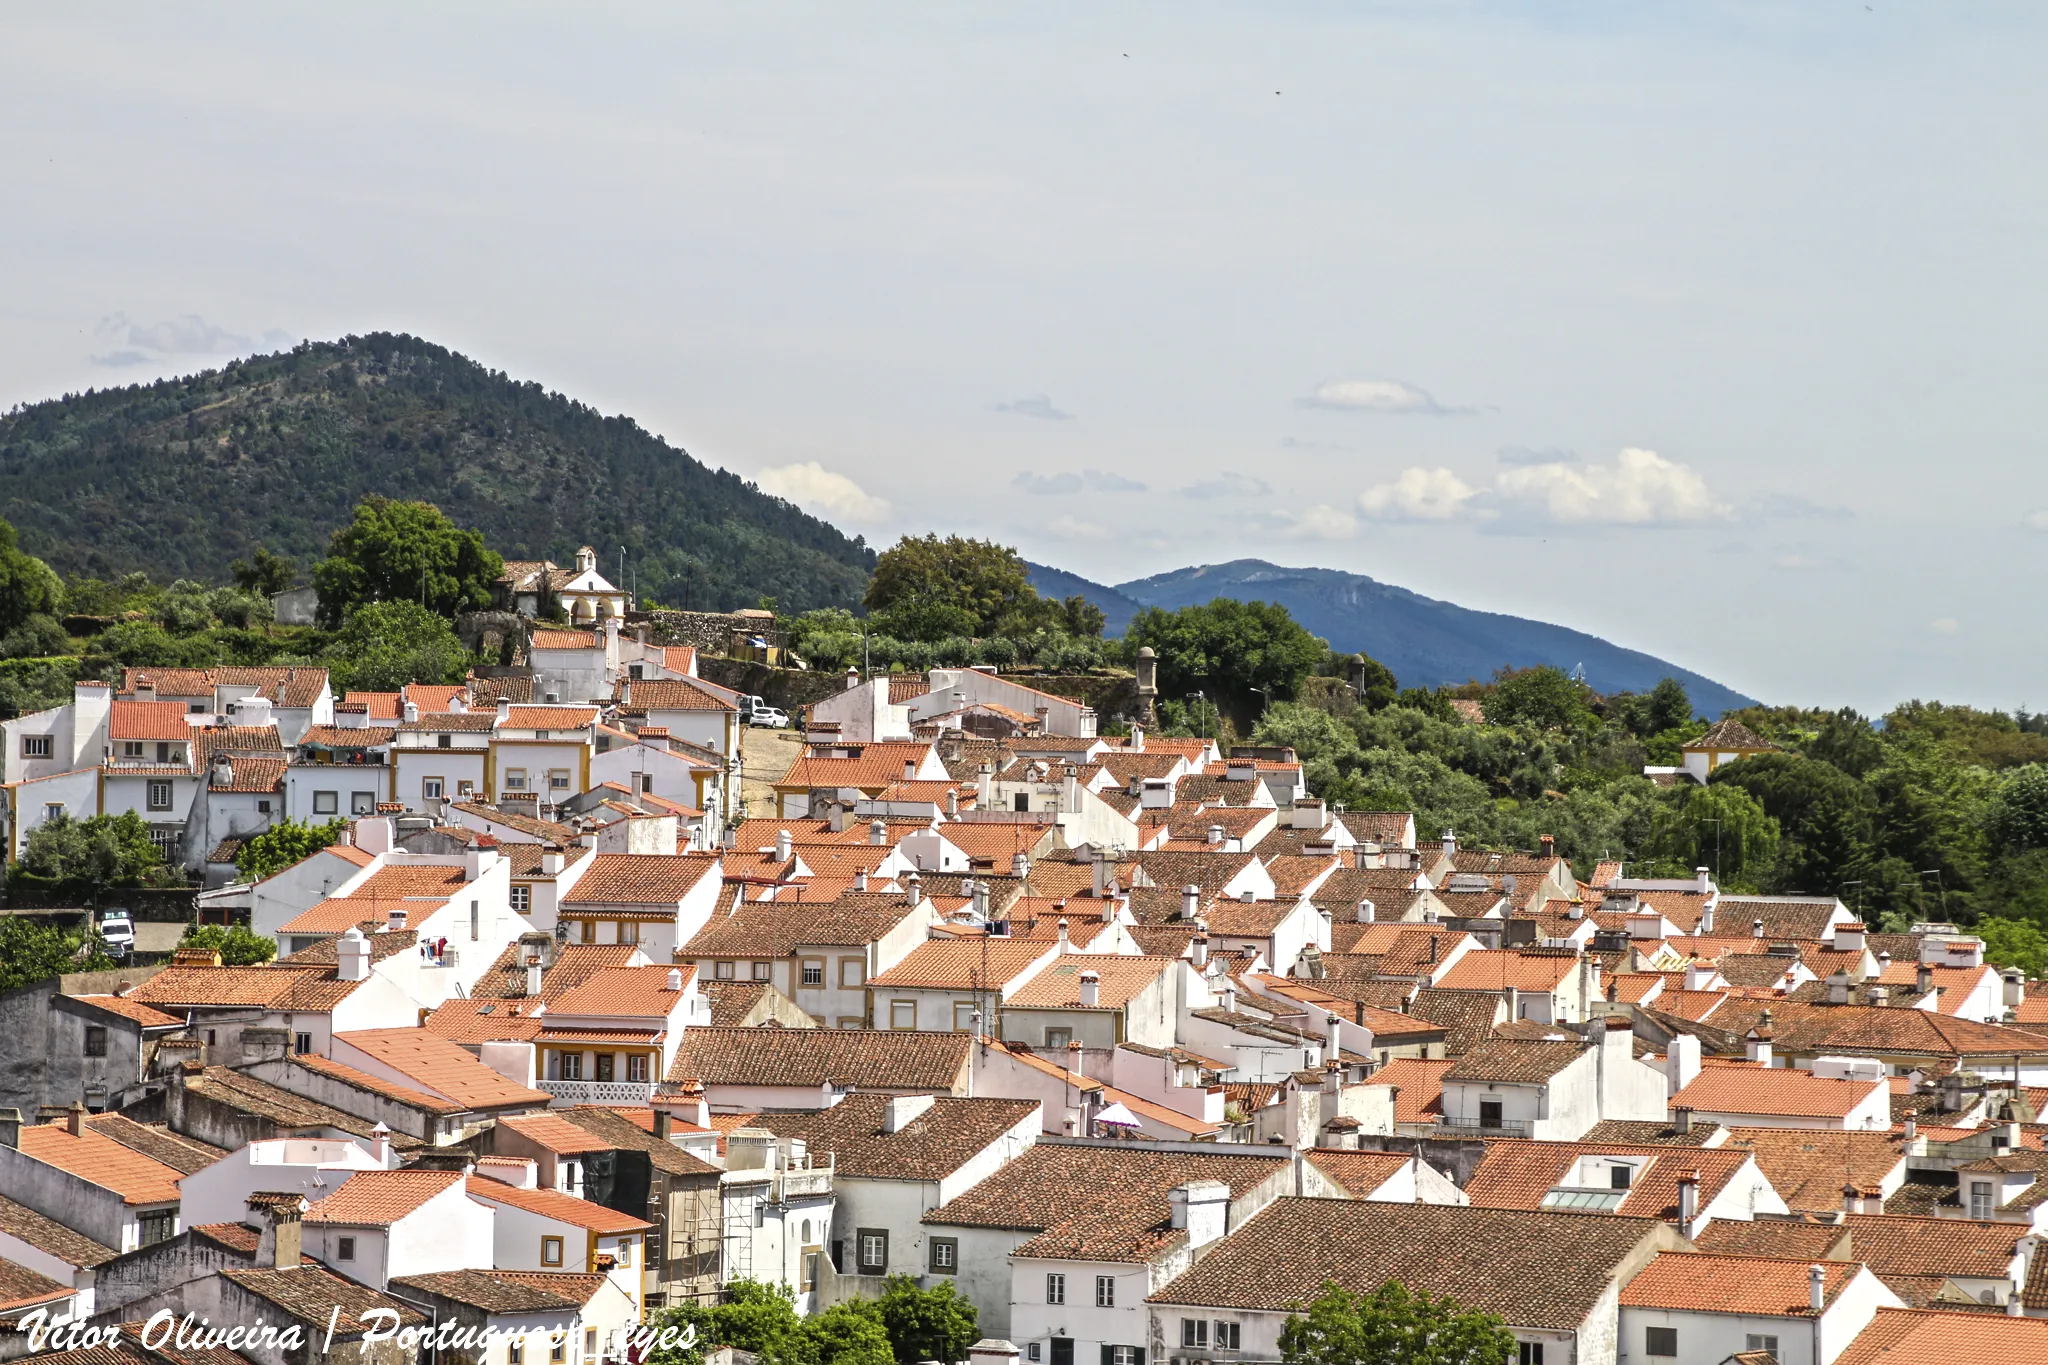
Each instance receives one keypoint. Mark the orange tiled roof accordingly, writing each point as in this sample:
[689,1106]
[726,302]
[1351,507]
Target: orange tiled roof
[148,720]
[641,992]
[563,1208]
[1421,1082]
[1358,1172]
[549,717]
[1777,1090]
[395,881]
[487,1020]
[1905,1336]
[380,1198]
[102,1161]
[1755,1286]
[1485,970]
[146,1015]
[563,639]
[1119,979]
[653,879]
[962,964]
[440,1066]
[555,1133]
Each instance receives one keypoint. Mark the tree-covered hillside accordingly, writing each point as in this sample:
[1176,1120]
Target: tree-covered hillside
[181,477]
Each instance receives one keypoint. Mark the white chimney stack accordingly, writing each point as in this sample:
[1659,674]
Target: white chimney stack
[903,1110]
[1215,834]
[1190,902]
[675,978]
[380,1144]
[1091,989]
[878,831]
[533,975]
[1366,911]
[783,845]
[1817,1288]
[352,956]
[1020,865]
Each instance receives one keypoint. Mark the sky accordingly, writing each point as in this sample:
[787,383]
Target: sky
[1712,329]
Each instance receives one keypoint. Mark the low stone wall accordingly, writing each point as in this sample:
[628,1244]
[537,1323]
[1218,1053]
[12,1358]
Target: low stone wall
[708,632]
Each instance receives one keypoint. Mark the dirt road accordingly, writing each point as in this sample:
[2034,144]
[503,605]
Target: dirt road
[765,755]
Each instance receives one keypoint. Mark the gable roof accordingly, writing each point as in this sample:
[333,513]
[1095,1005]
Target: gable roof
[1118,980]
[1516,1174]
[490,1290]
[99,1160]
[563,1208]
[379,1198]
[1515,1061]
[652,879]
[965,964]
[1780,1090]
[778,928]
[1809,1166]
[1540,1270]
[51,1237]
[1754,1286]
[933,1145]
[1904,1336]
[1356,1171]
[442,1066]
[874,1059]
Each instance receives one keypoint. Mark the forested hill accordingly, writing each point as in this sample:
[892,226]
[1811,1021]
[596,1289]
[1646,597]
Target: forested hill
[183,476]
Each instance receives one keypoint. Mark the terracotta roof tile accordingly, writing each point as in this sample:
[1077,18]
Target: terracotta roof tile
[873,1059]
[966,964]
[674,694]
[1358,1172]
[622,1129]
[935,1144]
[1118,980]
[1776,1090]
[99,1160]
[289,1112]
[652,879]
[182,1154]
[312,1294]
[1516,1174]
[489,1290]
[1898,1336]
[1809,1166]
[563,1208]
[135,1011]
[1782,1237]
[1421,1082]
[1514,1061]
[148,720]
[1754,1286]
[1485,970]
[778,928]
[51,1237]
[638,992]
[380,1198]
[441,1066]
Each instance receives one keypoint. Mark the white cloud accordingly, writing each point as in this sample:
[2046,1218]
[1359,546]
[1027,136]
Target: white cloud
[817,489]
[1074,528]
[188,335]
[1039,406]
[1095,480]
[1321,522]
[1534,455]
[1418,495]
[1641,488]
[1945,625]
[1232,485]
[2035,520]
[1379,395]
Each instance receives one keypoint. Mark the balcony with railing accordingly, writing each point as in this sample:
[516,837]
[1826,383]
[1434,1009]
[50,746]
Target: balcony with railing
[598,1092]
[1479,1128]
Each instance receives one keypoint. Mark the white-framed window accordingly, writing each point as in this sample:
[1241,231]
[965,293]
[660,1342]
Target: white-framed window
[636,1067]
[903,1014]
[159,796]
[467,787]
[156,1226]
[1194,1332]
[558,779]
[813,971]
[515,779]
[167,839]
[1762,1341]
[362,803]
[1229,1334]
[852,973]
[1123,1355]
[1105,1291]
[326,803]
[131,748]
[36,746]
[764,971]
[1055,1289]
[1980,1200]
[723,971]
[963,1016]
[1034,1351]
[625,1252]
[551,1250]
[629,932]
[572,1066]
[431,788]
[872,1251]
[945,1257]
[52,810]
[522,898]
[1058,1038]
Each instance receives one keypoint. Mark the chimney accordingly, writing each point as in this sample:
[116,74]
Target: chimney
[852,677]
[694,1102]
[910,770]
[1450,843]
[1091,989]
[1681,1120]
[395,920]
[1681,1066]
[1850,937]
[1548,843]
[551,863]
[664,1124]
[1880,996]
[1369,857]
[1514,997]
[985,788]
[1912,1127]
[1759,1041]
[675,978]
[380,1144]
[1020,865]
[1688,1201]
[1706,924]
[903,1110]
[1817,1288]
[860,880]
[980,900]
[1201,1209]
[1366,911]
[1216,834]
[1190,902]
[952,803]
[1838,988]
[2015,988]
[1198,952]
[74,1119]
[878,831]
[1756,928]
[412,713]
[1066,943]
[1923,978]
[783,845]
[1098,869]
[913,890]
[533,973]
[504,711]
[278,1246]
[1702,881]
[352,956]
[1333,1046]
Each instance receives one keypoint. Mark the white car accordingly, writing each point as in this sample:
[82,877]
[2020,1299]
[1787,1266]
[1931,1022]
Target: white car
[117,931]
[772,717]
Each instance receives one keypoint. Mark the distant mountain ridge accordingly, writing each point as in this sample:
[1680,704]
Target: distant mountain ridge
[1428,643]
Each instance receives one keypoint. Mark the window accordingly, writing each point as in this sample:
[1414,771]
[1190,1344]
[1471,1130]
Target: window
[159,796]
[945,1258]
[551,1247]
[344,1248]
[362,803]
[810,1269]
[1062,1351]
[302,1043]
[625,1251]
[590,1343]
[572,1066]
[131,748]
[813,971]
[558,779]
[636,1068]
[95,1040]
[1228,1334]
[636,671]
[852,1021]
[1489,1113]
[156,1227]
[326,803]
[589,929]
[52,811]
[1660,1341]
[465,787]
[1105,1291]
[1055,1289]
[1194,1332]
[1760,1341]
[515,1351]
[605,1063]
[163,752]
[35,746]
[963,1016]
[1618,1177]
[1034,1352]
[1058,1037]
[515,779]
[852,973]
[722,971]
[195,708]
[522,898]
[629,932]
[1123,1355]
[763,971]
[1528,1353]
[1980,1199]
[902,1014]
[431,788]
[166,838]
[1022,801]
[263,807]
[558,1347]
[871,1251]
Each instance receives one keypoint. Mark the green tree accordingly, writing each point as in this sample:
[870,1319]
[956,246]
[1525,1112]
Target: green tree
[2014,943]
[1392,1326]
[28,587]
[1719,826]
[263,572]
[32,952]
[394,551]
[237,944]
[849,1333]
[986,583]
[1542,698]
[37,637]
[1826,819]
[1083,618]
[1236,653]
[1377,688]
[99,852]
[282,845]
[2018,816]
[382,646]
[927,1324]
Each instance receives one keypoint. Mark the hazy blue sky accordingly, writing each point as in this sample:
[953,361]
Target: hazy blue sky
[1716,330]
